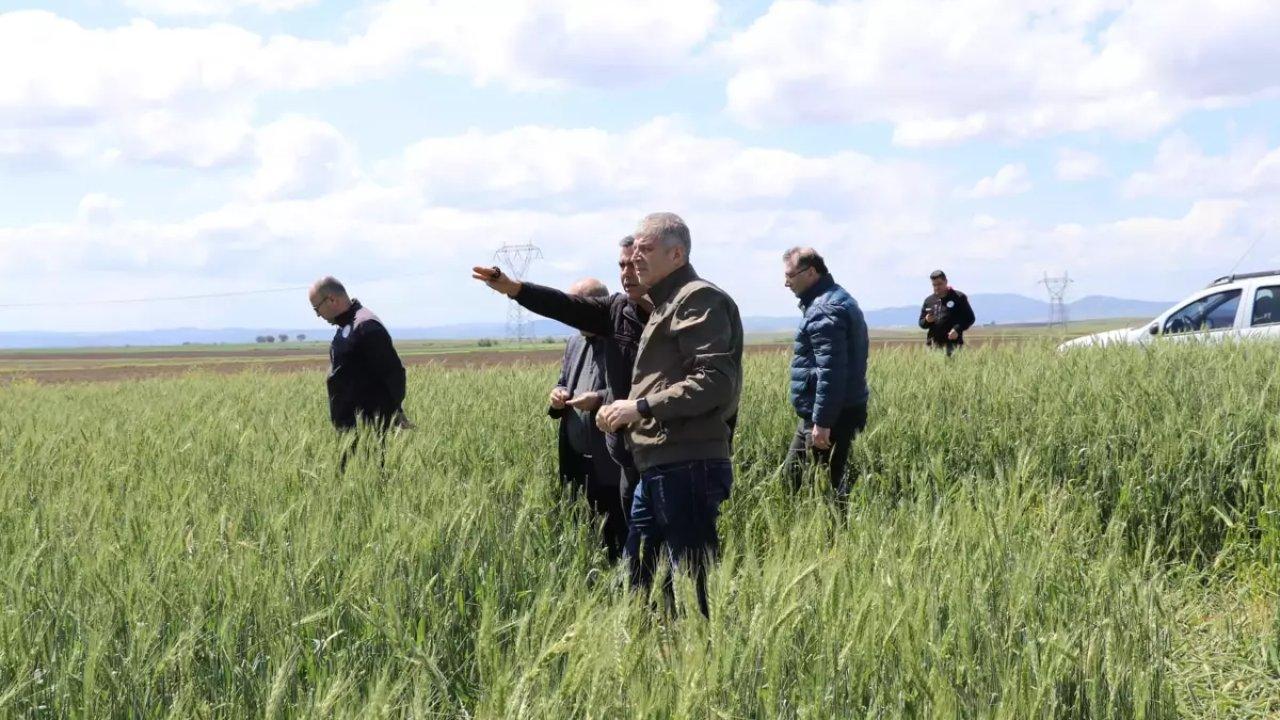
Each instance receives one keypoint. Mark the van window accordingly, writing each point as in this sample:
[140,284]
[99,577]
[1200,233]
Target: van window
[1266,306]
[1212,312]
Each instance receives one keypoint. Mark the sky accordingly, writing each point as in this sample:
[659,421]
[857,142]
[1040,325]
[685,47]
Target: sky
[170,148]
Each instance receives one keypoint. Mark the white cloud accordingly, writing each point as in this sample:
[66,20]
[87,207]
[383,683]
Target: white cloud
[1160,258]
[944,72]
[422,220]
[546,43]
[98,209]
[59,72]
[301,157]
[136,93]
[451,201]
[369,232]
[183,95]
[1009,180]
[213,7]
[657,163]
[1077,165]
[58,69]
[1182,169]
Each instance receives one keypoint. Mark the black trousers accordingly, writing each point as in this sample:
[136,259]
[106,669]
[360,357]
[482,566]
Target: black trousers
[948,345]
[351,443]
[599,478]
[802,457]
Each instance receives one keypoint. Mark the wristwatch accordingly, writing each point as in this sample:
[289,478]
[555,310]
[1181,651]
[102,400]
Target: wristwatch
[642,406]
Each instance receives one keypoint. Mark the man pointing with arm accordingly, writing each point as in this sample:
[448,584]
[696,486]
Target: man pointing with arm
[619,319]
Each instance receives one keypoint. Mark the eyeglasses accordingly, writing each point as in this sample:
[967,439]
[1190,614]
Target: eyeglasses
[323,300]
[798,271]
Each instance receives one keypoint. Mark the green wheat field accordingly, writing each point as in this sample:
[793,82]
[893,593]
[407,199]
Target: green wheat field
[1032,535]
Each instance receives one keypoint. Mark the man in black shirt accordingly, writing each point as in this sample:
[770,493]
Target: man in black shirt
[946,315]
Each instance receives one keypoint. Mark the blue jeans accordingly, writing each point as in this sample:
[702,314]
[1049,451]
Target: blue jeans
[675,509]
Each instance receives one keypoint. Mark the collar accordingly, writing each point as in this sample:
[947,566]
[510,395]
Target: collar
[349,316]
[640,310]
[823,284]
[665,288]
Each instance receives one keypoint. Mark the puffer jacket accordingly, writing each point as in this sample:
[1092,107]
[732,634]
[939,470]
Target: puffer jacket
[829,364]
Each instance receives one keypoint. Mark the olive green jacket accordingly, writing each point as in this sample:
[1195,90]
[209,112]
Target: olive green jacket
[689,371]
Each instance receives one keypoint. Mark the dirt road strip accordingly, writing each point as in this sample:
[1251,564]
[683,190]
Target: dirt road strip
[80,367]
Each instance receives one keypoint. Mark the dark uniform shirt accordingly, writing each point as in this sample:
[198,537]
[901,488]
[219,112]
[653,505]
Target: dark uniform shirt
[951,311]
[366,378]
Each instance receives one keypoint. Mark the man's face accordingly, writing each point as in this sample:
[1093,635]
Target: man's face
[939,286]
[325,306]
[654,260]
[798,280]
[631,284]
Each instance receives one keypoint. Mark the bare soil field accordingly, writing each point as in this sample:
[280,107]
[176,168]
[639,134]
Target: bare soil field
[104,367]
[157,354]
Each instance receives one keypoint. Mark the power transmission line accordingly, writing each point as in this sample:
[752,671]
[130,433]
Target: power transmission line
[1057,287]
[517,259]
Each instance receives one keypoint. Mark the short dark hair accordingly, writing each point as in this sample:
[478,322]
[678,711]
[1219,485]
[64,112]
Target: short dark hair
[806,258]
[627,241]
[937,275]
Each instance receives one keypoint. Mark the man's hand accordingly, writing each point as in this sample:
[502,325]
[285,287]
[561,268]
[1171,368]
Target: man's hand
[496,279]
[617,415]
[586,402]
[821,438]
[559,397]
[928,317]
[953,335]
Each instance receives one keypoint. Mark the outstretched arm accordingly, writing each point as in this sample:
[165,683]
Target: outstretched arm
[581,313]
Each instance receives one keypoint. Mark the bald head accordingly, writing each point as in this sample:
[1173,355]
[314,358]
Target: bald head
[589,287]
[329,285]
[329,298]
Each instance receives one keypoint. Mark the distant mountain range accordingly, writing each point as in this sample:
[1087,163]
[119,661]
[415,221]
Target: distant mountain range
[202,336]
[1001,309]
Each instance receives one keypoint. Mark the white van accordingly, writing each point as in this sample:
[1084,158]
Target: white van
[1235,306]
